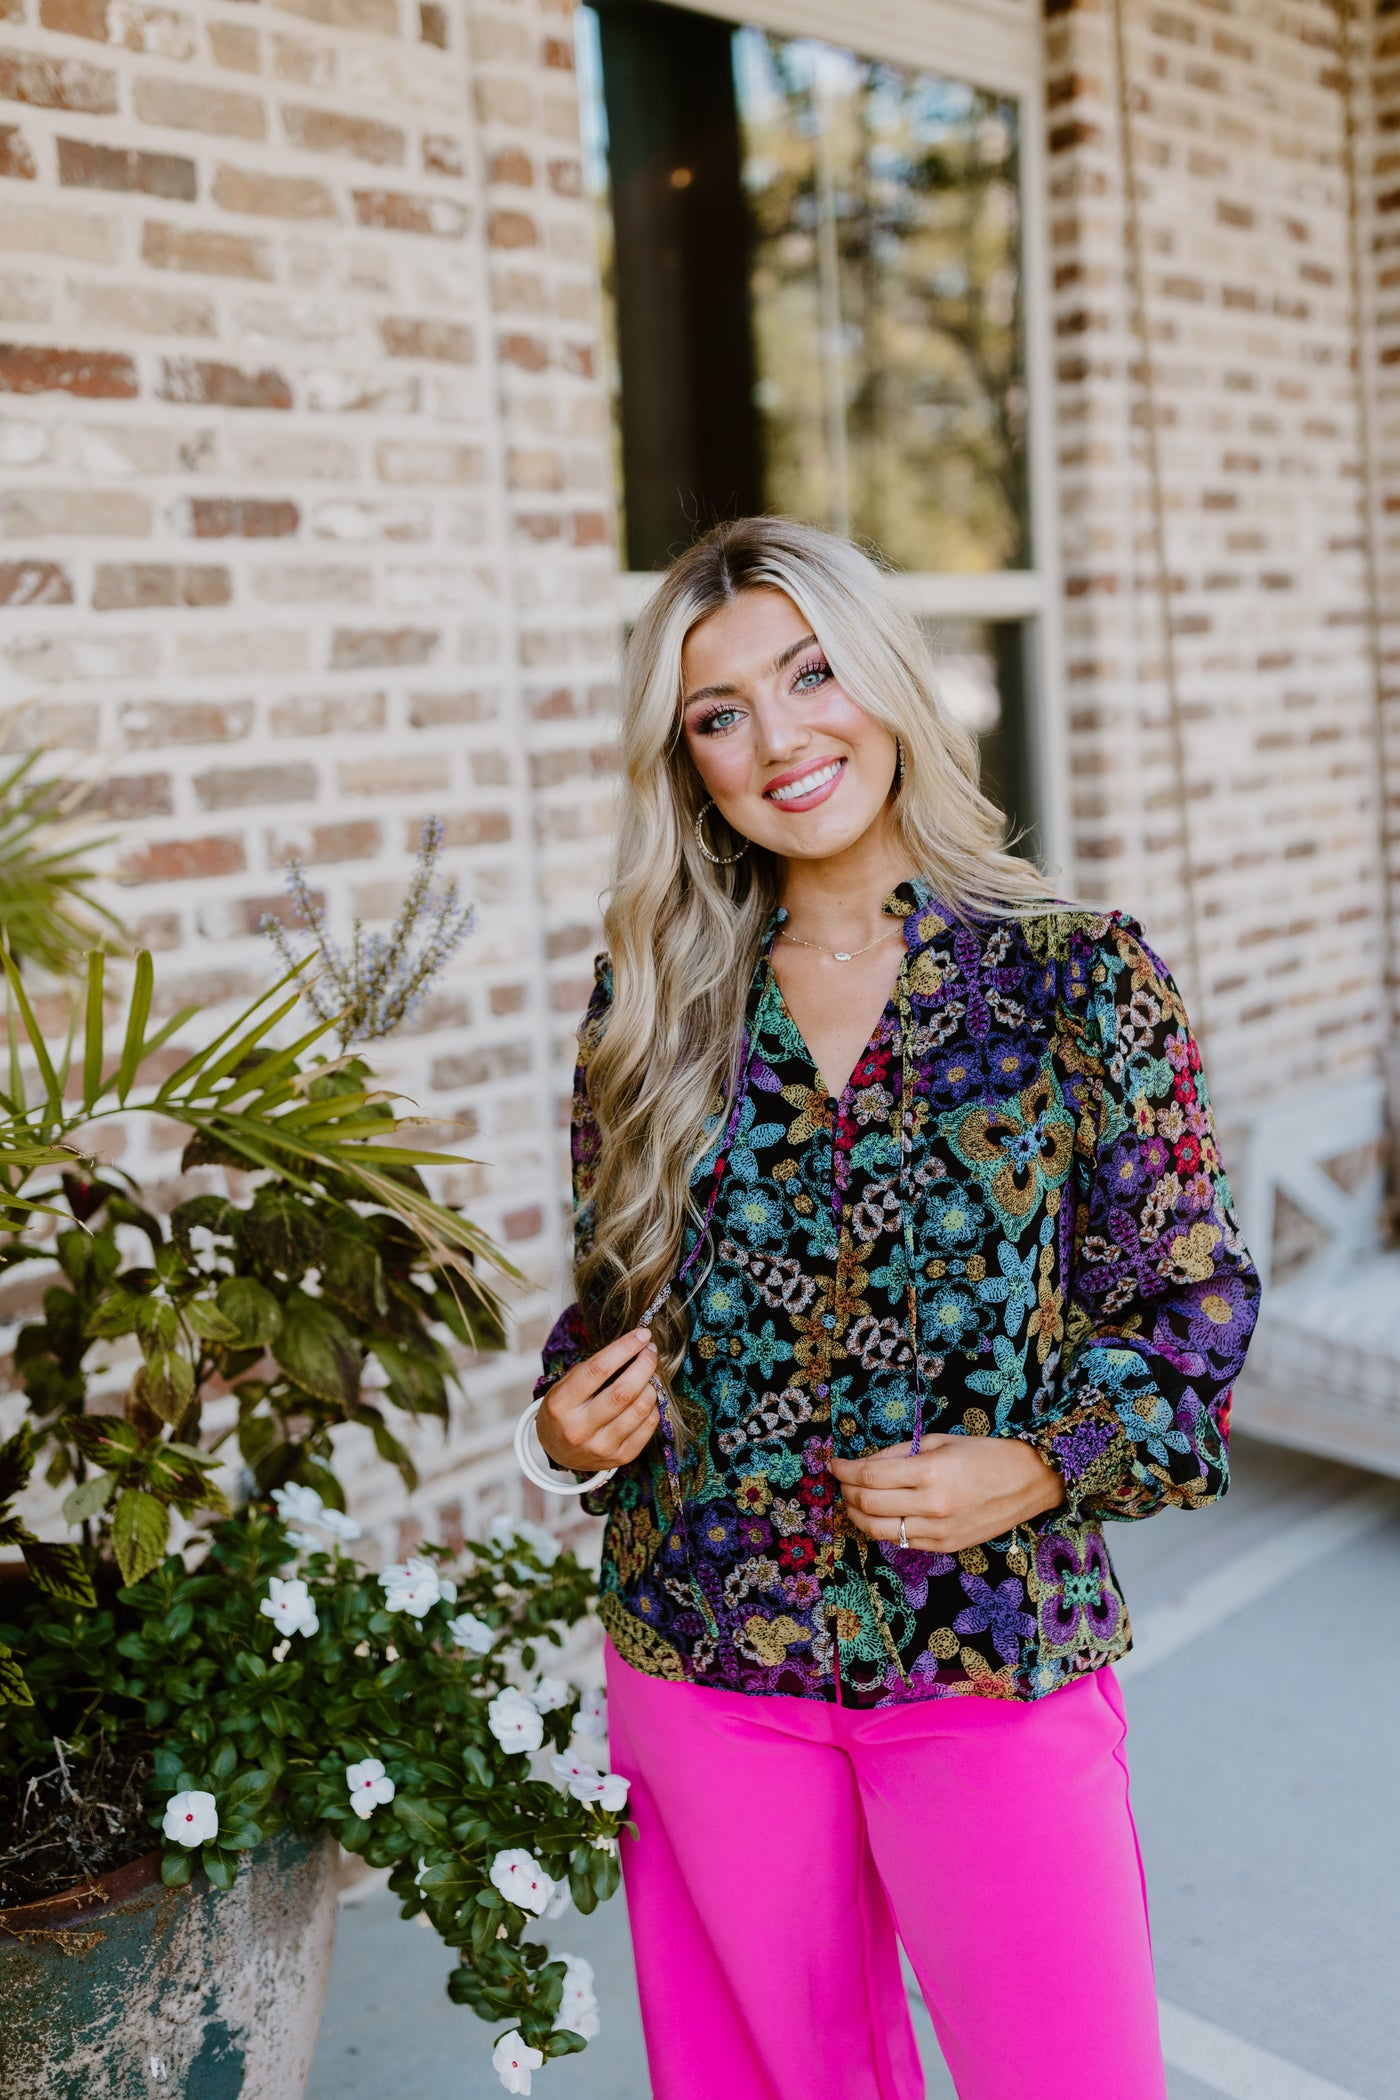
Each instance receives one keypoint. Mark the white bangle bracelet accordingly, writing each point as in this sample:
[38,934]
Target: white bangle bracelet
[539,1469]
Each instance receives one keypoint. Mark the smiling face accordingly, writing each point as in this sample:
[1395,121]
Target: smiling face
[789,758]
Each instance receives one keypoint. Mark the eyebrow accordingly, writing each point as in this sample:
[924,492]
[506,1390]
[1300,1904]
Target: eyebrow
[780,662]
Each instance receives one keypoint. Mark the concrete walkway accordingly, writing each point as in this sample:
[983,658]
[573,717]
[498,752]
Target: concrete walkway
[1264,1703]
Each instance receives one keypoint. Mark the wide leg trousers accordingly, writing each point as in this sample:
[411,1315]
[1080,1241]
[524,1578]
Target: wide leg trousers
[786,1846]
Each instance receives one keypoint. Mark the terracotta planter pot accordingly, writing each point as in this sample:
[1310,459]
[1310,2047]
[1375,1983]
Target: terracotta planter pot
[125,1988]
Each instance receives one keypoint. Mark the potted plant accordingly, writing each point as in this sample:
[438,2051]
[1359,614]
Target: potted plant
[205,1688]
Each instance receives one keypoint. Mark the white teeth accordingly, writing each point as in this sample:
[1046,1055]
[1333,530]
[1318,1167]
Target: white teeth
[808,784]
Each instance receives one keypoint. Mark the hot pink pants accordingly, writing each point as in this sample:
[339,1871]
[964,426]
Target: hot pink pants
[784,1843]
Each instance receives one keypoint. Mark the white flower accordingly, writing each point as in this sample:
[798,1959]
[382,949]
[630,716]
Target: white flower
[339,1525]
[570,1770]
[289,1606]
[559,1901]
[297,1504]
[505,1531]
[578,2006]
[411,1586]
[369,1785]
[521,1879]
[303,1542]
[514,1721]
[549,1693]
[592,1715]
[468,1631]
[513,2060]
[605,1790]
[191,1819]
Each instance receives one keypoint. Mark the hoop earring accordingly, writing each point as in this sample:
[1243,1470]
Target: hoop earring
[719,860]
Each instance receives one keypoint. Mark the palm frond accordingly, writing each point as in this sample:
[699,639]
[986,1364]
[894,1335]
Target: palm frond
[48,915]
[246,1102]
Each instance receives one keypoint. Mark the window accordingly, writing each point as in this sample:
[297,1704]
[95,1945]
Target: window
[816,302]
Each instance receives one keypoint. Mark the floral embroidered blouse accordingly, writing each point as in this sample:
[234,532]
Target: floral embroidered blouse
[1015,1222]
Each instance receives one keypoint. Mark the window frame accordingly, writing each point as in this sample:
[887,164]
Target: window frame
[997,44]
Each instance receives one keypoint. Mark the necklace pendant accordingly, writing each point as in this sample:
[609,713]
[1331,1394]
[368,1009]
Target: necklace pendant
[840,955]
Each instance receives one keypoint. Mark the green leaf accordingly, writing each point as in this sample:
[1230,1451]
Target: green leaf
[13,1689]
[89,1498]
[206,1319]
[250,1790]
[58,1570]
[581,1883]
[106,1440]
[214,1213]
[175,1869]
[16,1463]
[353,1272]
[390,1449]
[166,1383]
[36,1038]
[256,1436]
[254,1313]
[136,1019]
[140,1531]
[157,1324]
[93,1029]
[282,1230]
[317,1351]
[114,1316]
[178,1620]
[425,1823]
[221,1867]
[224,1763]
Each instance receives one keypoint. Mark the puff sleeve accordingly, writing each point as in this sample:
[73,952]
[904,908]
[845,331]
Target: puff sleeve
[1163,1295]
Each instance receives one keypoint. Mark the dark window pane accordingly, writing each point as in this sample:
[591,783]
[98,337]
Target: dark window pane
[681,236]
[815,275]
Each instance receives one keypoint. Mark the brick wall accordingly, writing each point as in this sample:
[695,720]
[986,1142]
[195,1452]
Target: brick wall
[305,523]
[1253,529]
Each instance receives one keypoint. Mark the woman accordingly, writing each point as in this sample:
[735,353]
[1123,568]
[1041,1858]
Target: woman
[904,1259]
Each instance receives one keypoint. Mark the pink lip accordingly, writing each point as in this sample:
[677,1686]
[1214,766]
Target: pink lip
[828,787]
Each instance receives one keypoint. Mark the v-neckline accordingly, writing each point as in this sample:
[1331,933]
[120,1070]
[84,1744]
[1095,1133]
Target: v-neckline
[838,1100]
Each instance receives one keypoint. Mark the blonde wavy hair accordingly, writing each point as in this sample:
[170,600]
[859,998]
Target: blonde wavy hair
[684,935]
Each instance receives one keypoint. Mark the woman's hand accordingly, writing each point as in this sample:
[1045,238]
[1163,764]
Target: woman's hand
[602,1413]
[959,1490]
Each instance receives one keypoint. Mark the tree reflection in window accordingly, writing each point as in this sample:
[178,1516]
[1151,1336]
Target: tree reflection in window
[814,288]
[885,304]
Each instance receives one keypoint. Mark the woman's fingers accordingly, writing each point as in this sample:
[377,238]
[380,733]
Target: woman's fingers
[884,1469]
[888,1502]
[603,1411]
[638,1433]
[926,1534]
[588,1377]
[619,1398]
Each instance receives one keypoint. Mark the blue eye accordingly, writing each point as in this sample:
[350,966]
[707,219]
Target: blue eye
[720,719]
[811,676]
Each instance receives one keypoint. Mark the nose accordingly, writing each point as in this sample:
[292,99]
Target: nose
[780,731]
